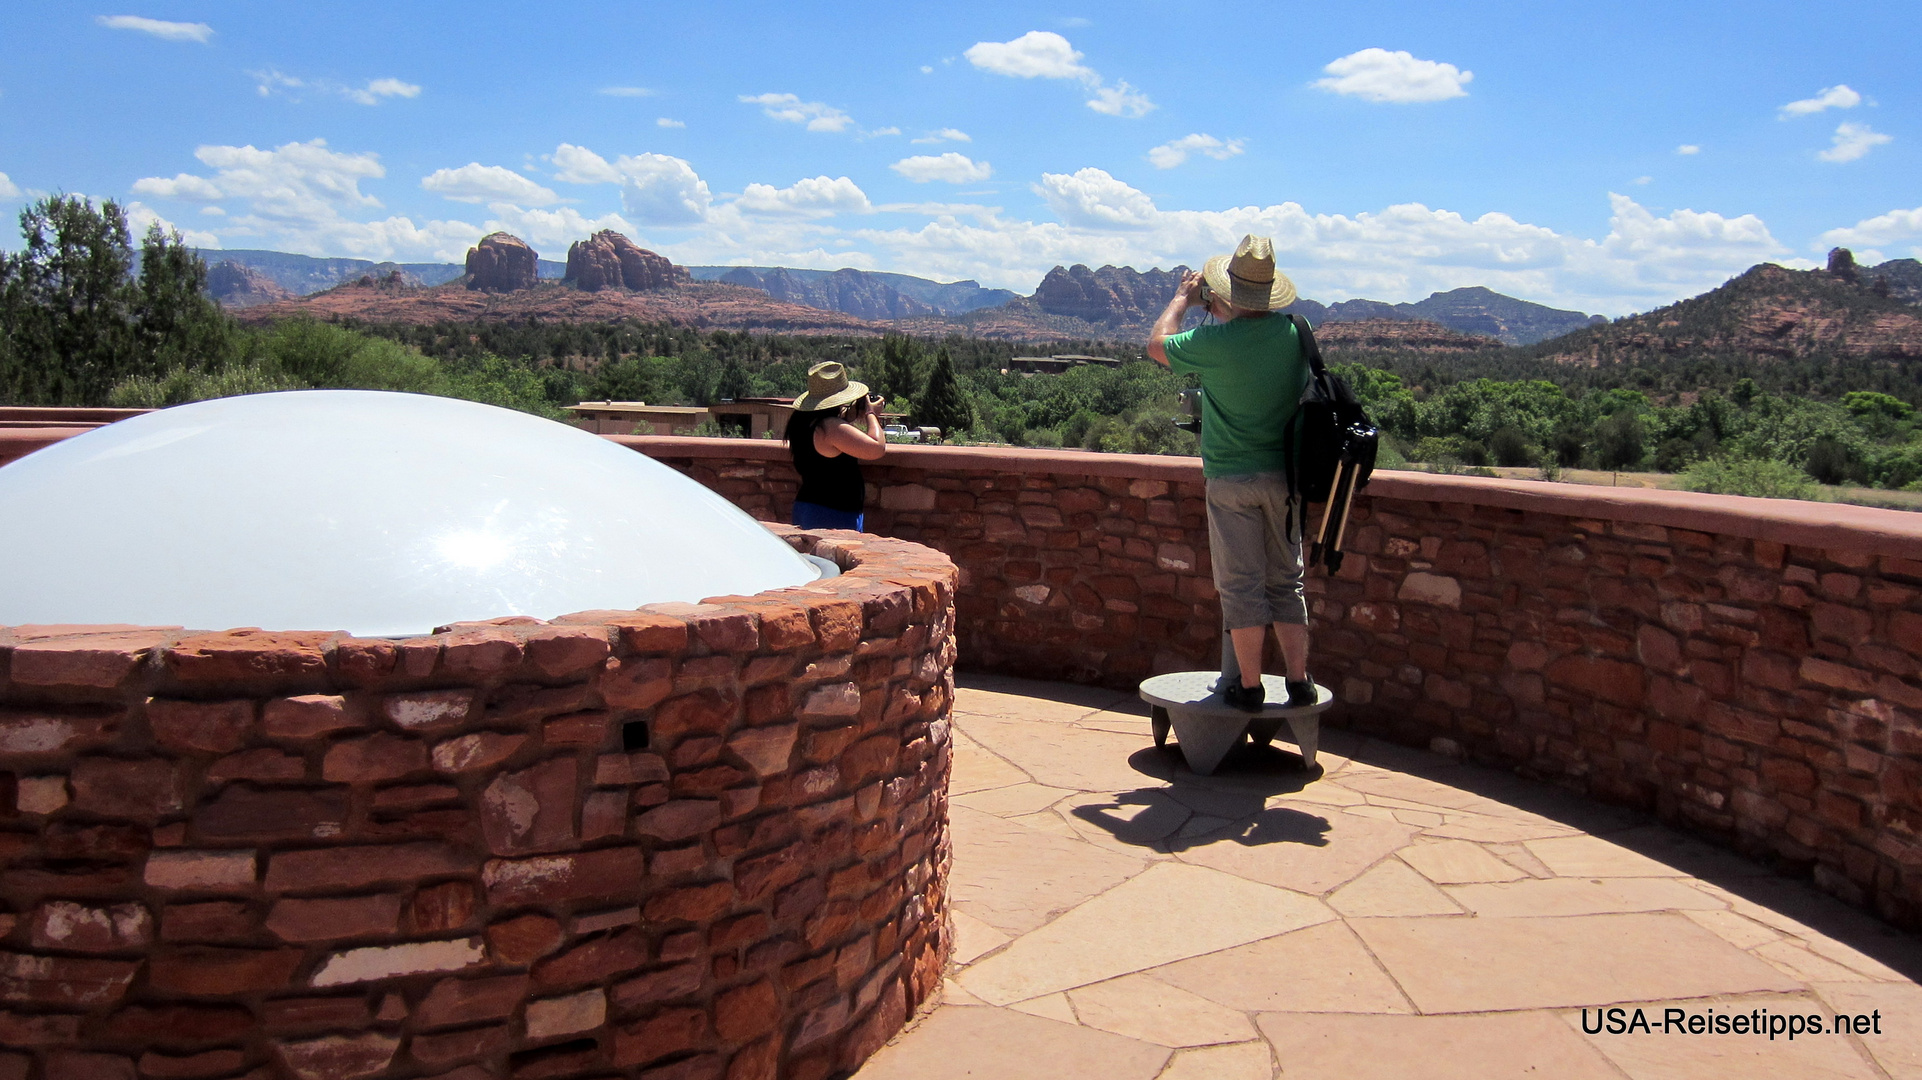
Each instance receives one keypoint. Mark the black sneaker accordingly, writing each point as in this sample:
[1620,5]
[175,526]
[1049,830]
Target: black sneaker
[1301,692]
[1245,698]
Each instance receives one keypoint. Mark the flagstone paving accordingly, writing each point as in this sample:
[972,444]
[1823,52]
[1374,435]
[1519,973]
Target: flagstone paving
[1395,915]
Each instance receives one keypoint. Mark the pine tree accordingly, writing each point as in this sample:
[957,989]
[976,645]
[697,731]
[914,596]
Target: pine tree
[899,371]
[177,326]
[733,384]
[944,404]
[67,304]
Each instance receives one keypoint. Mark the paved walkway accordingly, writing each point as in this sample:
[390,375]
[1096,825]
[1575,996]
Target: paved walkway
[1118,917]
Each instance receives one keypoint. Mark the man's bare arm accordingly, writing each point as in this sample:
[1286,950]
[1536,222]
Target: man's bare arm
[1169,321]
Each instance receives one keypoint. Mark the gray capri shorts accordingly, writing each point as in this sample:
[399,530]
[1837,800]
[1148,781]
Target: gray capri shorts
[1257,567]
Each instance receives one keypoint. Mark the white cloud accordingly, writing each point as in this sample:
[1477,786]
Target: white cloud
[1394,77]
[790,109]
[626,91]
[1170,154]
[1092,199]
[1042,54]
[818,196]
[879,132]
[950,167]
[1688,149]
[667,123]
[295,182]
[579,165]
[1120,100]
[380,88]
[944,135]
[926,69]
[1833,97]
[1883,230]
[166,31]
[8,190]
[1400,253]
[476,183]
[141,217]
[662,190]
[1644,180]
[273,81]
[184,186]
[1035,54]
[1852,141]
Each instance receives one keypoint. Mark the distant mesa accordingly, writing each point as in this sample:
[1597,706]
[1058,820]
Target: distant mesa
[502,263]
[609,260]
[855,292]
[1112,295]
[236,285]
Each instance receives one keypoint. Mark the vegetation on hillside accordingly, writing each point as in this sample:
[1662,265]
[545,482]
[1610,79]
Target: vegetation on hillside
[80,326]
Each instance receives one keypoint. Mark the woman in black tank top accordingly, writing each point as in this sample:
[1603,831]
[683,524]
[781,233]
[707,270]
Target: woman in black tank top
[835,426]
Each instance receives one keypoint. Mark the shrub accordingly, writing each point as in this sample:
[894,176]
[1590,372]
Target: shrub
[1749,476]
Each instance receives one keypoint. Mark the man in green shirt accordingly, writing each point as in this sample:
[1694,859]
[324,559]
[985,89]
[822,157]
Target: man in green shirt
[1252,375]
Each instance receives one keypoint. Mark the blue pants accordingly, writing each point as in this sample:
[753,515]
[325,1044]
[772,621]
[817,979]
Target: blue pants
[809,515]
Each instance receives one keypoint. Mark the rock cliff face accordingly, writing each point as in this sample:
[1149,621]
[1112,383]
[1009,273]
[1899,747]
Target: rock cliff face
[1398,335]
[1112,295]
[609,260]
[1770,311]
[501,263]
[850,291]
[237,286]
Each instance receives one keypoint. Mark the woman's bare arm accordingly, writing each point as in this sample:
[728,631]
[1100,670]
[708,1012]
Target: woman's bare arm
[838,436]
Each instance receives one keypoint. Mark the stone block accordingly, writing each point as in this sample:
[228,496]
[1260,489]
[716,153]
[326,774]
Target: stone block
[561,651]
[441,1051]
[427,711]
[206,727]
[1835,676]
[551,1018]
[470,1001]
[205,971]
[213,871]
[134,790]
[692,903]
[603,814]
[476,752]
[340,869]
[679,819]
[525,939]
[78,927]
[246,813]
[1435,589]
[594,959]
[338,1057]
[22,1030]
[747,1011]
[670,1031]
[636,682]
[249,656]
[373,758]
[62,982]
[102,661]
[211,921]
[265,765]
[334,918]
[531,810]
[375,962]
[85,1065]
[605,874]
[307,716]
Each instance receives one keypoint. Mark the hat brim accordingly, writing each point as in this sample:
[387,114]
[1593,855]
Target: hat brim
[1279,294]
[809,403]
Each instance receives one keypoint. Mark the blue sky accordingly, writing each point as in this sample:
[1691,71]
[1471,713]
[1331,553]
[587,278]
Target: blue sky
[1607,156]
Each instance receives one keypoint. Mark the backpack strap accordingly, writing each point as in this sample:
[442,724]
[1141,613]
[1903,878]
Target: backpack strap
[1308,346]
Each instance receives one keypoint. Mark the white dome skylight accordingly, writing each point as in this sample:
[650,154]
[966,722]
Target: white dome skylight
[371,512]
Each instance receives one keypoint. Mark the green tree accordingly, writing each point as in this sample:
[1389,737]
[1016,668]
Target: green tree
[732,384]
[898,374]
[176,324]
[943,404]
[67,299]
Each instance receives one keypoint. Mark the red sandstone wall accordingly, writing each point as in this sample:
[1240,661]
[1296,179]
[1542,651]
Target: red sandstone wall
[1750,667]
[320,857]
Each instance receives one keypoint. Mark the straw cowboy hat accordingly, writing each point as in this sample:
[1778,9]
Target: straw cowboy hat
[1248,278]
[828,388]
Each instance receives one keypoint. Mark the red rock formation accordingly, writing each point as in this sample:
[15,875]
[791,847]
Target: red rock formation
[501,263]
[609,260]
[238,286]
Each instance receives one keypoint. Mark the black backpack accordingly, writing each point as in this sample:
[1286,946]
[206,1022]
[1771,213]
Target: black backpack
[1331,451]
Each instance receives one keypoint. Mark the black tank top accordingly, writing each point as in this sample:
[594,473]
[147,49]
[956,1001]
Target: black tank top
[833,482]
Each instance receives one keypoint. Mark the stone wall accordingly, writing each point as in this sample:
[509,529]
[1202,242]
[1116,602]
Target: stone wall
[1749,668]
[689,841]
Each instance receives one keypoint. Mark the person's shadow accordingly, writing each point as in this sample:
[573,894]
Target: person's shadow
[1236,795]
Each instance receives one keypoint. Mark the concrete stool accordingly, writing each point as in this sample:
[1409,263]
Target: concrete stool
[1206,728]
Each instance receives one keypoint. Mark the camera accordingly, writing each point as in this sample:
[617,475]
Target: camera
[1189,402]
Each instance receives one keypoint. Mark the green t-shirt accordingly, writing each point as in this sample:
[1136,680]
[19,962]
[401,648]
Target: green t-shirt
[1252,375]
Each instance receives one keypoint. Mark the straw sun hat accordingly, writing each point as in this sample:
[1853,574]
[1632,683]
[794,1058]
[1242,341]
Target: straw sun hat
[829,387]
[1248,278]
